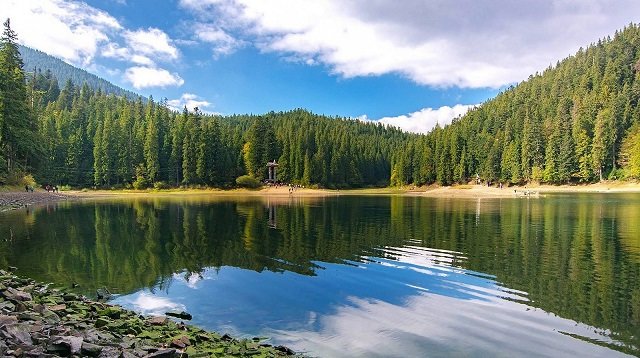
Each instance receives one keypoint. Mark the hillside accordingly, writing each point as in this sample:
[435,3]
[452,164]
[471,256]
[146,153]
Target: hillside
[81,135]
[34,59]
[575,122]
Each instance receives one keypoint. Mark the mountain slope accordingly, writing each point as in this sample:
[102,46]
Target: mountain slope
[575,122]
[34,59]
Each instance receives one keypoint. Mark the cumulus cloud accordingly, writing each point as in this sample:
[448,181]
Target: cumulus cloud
[149,304]
[223,43]
[426,119]
[151,42]
[73,31]
[81,34]
[188,100]
[439,43]
[144,77]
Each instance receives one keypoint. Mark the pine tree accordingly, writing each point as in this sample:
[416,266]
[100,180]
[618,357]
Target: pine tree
[152,150]
[18,140]
[630,153]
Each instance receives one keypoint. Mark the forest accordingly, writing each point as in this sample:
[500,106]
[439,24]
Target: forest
[575,122]
[82,136]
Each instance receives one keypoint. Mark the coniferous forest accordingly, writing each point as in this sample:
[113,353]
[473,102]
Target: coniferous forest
[577,121]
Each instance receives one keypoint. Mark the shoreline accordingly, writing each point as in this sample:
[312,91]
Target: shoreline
[10,200]
[36,320]
[533,190]
[14,199]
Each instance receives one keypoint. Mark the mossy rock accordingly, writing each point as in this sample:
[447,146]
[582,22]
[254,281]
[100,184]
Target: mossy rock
[150,334]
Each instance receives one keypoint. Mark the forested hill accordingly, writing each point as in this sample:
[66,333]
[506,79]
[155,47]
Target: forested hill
[74,134]
[63,72]
[577,121]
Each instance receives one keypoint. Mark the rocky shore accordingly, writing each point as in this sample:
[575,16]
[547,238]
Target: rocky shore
[15,200]
[38,321]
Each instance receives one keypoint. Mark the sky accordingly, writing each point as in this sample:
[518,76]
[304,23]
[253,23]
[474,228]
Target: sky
[409,63]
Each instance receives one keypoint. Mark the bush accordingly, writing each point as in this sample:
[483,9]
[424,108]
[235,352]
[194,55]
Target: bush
[246,181]
[140,183]
[160,185]
[617,174]
[28,180]
[537,174]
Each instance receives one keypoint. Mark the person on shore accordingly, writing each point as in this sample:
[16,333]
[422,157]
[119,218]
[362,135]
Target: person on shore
[26,188]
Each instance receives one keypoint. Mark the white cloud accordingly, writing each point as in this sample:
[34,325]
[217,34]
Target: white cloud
[79,34]
[151,42]
[435,323]
[72,31]
[223,43]
[113,50]
[148,304]
[467,43]
[426,119]
[189,100]
[144,77]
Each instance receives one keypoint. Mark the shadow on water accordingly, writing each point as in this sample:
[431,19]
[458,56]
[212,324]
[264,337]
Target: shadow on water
[365,275]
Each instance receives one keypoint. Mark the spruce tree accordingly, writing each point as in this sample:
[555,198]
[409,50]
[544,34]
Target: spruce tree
[18,142]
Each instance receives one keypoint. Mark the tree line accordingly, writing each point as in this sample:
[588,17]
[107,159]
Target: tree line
[576,121]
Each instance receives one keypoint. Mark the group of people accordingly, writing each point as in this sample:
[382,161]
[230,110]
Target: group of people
[49,188]
[294,187]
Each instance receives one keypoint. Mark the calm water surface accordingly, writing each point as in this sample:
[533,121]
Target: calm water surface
[358,276]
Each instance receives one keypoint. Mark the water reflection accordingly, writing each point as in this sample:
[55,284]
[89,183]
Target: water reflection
[366,276]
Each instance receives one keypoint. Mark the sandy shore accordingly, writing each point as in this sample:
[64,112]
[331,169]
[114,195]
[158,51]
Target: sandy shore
[481,191]
[16,199]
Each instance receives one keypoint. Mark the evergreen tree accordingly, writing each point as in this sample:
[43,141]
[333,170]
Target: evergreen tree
[18,140]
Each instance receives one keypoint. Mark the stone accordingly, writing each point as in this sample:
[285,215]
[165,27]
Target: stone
[19,332]
[39,308]
[74,343]
[158,320]
[126,354]
[90,349]
[36,328]
[16,295]
[4,319]
[181,315]
[285,350]
[102,321]
[163,353]
[50,317]
[109,352]
[60,349]
[36,352]
[181,342]
[103,294]
[28,316]
[56,308]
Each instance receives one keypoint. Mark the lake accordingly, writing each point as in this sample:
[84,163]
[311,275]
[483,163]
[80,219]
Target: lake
[349,276]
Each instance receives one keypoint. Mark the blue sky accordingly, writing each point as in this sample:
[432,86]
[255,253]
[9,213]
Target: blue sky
[411,63]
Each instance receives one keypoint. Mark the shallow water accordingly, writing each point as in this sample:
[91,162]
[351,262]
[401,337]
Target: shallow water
[358,276]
